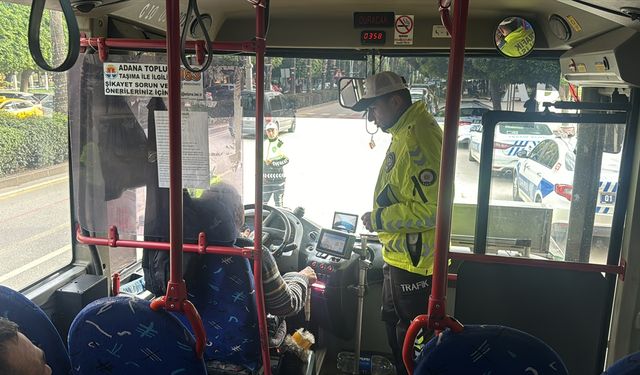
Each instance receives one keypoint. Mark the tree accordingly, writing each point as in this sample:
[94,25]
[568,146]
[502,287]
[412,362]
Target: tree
[14,51]
[502,71]
[58,33]
[498,71]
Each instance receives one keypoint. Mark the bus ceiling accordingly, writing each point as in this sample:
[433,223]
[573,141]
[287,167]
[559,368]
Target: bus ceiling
[329,24]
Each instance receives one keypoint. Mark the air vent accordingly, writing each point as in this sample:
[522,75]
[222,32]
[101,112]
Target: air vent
[313,235]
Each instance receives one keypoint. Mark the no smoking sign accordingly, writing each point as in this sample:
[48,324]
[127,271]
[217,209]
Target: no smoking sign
[403,34]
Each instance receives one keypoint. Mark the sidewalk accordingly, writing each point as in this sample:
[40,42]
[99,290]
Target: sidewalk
[25,177]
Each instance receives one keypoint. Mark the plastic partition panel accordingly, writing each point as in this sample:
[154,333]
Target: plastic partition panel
[490,120]
[563,308]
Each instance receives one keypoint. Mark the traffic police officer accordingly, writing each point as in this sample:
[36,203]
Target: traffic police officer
[273,171]
[405,201]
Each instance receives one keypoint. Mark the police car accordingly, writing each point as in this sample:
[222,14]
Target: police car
[545,175]
[508,140]
[471,112]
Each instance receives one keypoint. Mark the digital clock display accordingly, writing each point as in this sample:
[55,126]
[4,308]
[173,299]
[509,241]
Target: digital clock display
[373,37]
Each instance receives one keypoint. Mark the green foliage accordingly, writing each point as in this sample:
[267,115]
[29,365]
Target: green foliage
[14,51]
[501,70]
[31,143]
[12,143]
[505,71]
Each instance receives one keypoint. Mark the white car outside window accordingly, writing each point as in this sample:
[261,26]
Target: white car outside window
[546,176]
[509,139]
[471,112]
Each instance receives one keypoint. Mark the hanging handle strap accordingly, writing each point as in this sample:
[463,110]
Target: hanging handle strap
[193,8]
[35,20]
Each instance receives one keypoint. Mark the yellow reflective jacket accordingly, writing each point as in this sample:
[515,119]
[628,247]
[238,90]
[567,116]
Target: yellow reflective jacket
[518,43]
[405,197]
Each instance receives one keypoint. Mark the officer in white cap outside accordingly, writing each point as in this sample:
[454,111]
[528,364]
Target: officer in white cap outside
[273,171]
[404,202]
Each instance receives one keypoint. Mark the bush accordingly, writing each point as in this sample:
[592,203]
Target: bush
[32,143]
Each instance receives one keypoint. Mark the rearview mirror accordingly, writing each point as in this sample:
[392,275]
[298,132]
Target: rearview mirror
[522,154]
[351,90]
[515,37]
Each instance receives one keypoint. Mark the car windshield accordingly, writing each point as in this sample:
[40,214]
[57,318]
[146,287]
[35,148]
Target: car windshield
[525,128]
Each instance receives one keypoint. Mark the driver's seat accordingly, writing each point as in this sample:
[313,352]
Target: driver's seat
[224,295]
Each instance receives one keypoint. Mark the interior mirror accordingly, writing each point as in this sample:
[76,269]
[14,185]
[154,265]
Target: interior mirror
[522,153]
[515,37]
[351,90]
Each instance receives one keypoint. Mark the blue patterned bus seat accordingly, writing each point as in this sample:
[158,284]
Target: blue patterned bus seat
[495,350]
[629,365]
[35,324]
[122,335]
[224,295]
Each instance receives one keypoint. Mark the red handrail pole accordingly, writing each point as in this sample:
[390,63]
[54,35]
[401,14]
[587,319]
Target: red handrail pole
[157,44]
[436,307]
[176,286]
[257,256]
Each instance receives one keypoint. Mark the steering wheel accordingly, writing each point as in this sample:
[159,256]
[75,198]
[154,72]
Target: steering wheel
[273,238]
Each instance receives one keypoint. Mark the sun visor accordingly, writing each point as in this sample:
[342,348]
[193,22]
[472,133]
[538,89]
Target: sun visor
[608,60]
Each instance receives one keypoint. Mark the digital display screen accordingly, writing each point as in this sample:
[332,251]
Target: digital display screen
[373,37]
[335,243]
[345,222]
[373,19]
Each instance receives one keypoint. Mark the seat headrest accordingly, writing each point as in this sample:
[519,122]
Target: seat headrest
[122,335]
[484,349]
[35,324]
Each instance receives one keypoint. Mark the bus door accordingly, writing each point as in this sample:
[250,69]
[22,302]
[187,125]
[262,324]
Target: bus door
[582,181]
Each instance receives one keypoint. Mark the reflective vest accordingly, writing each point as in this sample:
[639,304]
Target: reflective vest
[197,193]
[273,150]
[518,42]
[405,197]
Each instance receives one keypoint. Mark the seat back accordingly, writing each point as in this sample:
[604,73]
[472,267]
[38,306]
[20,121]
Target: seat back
[224,295]
[495,350]
[35,324]
[629,365]
[122,335]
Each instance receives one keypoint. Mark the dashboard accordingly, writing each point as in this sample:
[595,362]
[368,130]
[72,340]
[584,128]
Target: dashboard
[334,295]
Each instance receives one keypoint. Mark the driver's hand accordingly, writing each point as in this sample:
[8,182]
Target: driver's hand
[366,221]
[268,162]
[310,274]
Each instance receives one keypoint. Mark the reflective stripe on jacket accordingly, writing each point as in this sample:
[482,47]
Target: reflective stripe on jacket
[274,153]
[405,197]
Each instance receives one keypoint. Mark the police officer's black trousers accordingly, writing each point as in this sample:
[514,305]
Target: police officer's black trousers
[275,189]
[404,296]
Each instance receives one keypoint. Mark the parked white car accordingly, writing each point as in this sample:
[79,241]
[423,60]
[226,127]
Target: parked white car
[471,112]
[418,94]
[509,139]
[545,175]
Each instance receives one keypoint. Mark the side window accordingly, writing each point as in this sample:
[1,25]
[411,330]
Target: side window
[570,161]
[550,155]
[538,151]
[276,103]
